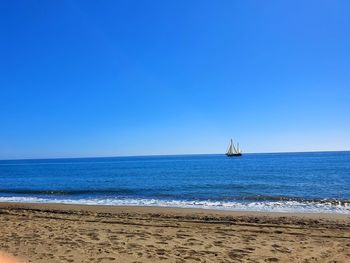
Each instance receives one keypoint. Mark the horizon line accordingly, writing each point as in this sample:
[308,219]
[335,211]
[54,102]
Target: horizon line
[165,155]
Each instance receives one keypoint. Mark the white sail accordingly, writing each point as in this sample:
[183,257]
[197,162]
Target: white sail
[234,148]
[231,148]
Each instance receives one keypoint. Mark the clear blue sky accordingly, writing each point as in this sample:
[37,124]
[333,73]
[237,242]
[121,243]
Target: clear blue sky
[106,78]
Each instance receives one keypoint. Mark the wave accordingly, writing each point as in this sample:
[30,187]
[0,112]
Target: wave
[122,193]
[267,206]
[332,201]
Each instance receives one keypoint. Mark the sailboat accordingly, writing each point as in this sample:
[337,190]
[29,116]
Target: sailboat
[233,151]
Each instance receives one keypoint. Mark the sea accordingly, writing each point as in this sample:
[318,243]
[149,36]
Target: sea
[314,182]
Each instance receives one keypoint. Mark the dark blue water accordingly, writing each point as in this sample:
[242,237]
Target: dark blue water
[304,182]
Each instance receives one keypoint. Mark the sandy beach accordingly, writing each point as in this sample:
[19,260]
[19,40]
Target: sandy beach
[48,233]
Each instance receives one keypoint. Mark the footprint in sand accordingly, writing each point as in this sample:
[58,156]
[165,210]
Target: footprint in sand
[271,260]
[238,253]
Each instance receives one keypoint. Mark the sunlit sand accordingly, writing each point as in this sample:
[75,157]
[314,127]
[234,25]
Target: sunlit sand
[5,258]
[52,233]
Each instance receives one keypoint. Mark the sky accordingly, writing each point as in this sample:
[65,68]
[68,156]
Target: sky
[110,78]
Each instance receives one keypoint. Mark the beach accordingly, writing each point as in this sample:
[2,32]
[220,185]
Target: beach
[53,233]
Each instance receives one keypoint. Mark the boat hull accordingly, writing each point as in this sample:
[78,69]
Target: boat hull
[234,155]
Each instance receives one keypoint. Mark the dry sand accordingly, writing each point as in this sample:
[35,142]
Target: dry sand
[69,233]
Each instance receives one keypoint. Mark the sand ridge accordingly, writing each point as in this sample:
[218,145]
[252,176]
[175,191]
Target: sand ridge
[63,233]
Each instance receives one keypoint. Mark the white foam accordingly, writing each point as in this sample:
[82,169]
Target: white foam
[275,206]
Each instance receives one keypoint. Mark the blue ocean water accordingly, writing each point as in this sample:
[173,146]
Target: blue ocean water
[285,182]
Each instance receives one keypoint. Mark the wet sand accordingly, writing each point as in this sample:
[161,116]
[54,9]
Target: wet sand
[48,233]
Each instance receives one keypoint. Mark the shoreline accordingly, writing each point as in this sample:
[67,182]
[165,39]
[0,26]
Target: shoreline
[53,233]
[116,209]
[260,207]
